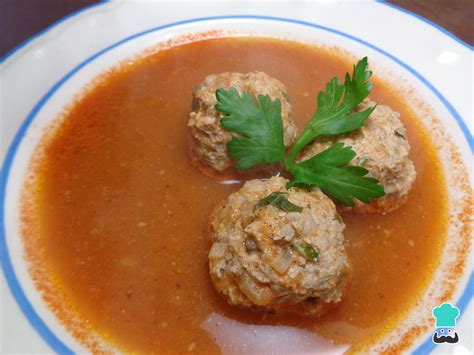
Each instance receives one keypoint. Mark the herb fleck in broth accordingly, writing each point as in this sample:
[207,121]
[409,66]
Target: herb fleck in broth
[123,213]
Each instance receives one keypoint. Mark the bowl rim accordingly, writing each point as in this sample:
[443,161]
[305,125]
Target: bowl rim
[20,297]
[26,42]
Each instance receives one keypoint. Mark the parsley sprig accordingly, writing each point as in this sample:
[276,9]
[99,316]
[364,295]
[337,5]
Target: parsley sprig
[260,139]
[329,170]
[261,128]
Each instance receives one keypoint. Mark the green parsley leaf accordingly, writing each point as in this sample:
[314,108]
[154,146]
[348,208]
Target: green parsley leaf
[335,113]
[305,250]
[279,200]
[260,128]
[330,172]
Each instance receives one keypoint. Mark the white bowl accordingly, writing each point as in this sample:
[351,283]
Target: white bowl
[40,78]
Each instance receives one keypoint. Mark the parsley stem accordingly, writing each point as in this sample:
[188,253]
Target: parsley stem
[304,139]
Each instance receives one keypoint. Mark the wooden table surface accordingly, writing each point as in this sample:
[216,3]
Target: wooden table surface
[20,19]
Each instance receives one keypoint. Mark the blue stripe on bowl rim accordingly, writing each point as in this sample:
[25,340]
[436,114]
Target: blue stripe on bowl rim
[18,293]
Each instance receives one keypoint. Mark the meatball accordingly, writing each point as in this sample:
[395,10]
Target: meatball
[382,148]
[269,259]
[209,137]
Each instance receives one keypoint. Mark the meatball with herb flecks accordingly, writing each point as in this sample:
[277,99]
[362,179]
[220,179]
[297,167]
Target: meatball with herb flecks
[382,148]
[209,137]
[278,249]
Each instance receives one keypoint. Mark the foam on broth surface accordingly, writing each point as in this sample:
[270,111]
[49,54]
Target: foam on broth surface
[122,213]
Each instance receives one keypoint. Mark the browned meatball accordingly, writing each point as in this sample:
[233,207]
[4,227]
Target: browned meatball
[382,148]
[209,136]
[270,259]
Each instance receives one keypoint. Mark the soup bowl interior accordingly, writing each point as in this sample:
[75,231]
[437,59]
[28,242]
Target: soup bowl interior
[438,117]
